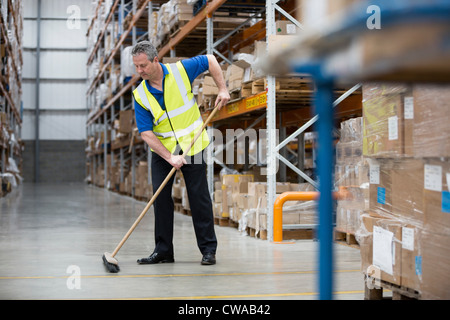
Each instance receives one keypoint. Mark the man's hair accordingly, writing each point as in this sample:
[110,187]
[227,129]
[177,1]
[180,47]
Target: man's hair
[145,47]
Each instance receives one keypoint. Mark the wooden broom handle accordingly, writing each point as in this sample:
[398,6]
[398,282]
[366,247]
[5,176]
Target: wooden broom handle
[163,184]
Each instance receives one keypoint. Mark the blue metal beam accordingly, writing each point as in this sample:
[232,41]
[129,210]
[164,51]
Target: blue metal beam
[324,98]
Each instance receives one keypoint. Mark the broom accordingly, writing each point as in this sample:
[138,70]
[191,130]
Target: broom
[111,263]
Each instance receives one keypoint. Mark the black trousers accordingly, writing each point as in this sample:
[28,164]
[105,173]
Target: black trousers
[200,203]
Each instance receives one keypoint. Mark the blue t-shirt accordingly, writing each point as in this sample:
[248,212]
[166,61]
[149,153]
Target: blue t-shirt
[194,67]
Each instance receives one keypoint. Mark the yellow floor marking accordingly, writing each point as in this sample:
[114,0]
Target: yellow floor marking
[173,275]
[245,296]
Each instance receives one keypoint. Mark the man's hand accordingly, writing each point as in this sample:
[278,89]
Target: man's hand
[177,161]
[222,98]
[216,72]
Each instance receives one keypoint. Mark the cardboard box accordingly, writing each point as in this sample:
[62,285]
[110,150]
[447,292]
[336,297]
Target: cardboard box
[252,186]
[383,116]
[348,215]
[411,257]
[209,87]
[408,190]
[218,196]
[314,14]
[431,119]
[226,196]
[247,74]
[437,195]
[244,201]
[365,240]
[435,265]
[341,217]
[380,187]
[286,27]
[126,118]
[230,178]
[176,191]
[277,43]
[401,40]
[282,187]
[233,76]
[217,210]
[387,249]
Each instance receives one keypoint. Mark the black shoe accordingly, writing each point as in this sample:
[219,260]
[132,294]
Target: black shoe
[209,259]
[155,257]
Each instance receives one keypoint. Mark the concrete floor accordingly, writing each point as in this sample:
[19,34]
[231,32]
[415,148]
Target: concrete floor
[52,239]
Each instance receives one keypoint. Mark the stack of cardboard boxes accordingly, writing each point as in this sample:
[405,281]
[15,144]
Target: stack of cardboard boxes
[171,15]
[240,199]
[352,173]
[120,136]
[405,236]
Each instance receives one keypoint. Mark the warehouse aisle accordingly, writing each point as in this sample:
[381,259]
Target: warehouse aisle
[53,236]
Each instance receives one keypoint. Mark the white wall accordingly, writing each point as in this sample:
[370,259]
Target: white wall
[63,74]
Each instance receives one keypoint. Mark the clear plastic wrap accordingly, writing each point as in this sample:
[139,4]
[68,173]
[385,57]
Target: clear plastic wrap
[351,173]
[404,230]
[405,237]
[170,15]
[126,62]
[383,113]
[431,118]
[406,120]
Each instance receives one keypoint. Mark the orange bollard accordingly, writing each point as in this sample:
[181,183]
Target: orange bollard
[278,209]
[296,196]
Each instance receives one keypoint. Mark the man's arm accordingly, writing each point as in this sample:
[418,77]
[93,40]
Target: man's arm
[176,161]
[216,72]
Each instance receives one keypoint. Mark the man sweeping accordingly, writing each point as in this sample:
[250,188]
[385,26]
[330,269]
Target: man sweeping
[167,117]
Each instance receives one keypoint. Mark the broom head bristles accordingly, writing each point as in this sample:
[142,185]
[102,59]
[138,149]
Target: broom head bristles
[110,262]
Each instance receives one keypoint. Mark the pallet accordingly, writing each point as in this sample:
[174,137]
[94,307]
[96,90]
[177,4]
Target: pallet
[223,222]
[258,86]
[262,234]
[345,238]
[375,292]
[141,198]
[186,212]
[300,234]
[292,83]
[246,89]
[235,94]
[178,207]
[177,27]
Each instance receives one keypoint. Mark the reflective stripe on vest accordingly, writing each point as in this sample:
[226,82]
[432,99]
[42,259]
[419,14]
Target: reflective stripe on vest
[182,119]
[183,132]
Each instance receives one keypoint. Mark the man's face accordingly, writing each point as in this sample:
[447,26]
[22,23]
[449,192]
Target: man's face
[145,67]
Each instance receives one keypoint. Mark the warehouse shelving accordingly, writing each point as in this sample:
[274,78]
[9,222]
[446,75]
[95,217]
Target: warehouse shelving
[332,58]
[11,145]
[270,103]
[219,41]
[99,118]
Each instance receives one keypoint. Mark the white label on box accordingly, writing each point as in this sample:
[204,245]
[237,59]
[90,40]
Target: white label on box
[291,28]
[433,178]
[393,128]
[409,108]
[447,175]
[374,174]
[408,238]
[247,74]
[382,249]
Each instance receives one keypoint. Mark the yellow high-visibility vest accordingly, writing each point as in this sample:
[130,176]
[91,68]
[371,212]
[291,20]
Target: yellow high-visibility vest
[181,120]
